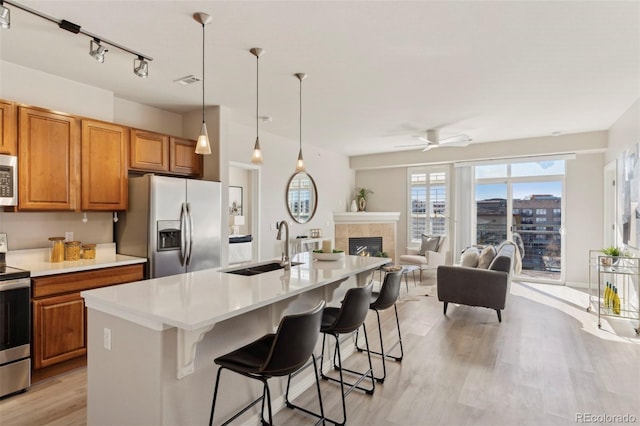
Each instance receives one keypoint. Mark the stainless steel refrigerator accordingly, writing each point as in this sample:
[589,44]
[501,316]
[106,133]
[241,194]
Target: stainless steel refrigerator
[173,222]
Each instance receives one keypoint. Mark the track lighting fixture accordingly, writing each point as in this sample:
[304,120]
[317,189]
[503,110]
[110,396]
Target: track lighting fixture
[97,47]
[97,51]
[300,163]
[141,67]
[203,147]
[256,158]
[5,16]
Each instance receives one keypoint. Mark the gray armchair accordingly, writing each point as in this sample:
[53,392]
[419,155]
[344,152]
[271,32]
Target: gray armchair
[477,286]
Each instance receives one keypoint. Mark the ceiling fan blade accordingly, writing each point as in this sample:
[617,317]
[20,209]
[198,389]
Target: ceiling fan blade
[428,147]
[416,145]
[458,140]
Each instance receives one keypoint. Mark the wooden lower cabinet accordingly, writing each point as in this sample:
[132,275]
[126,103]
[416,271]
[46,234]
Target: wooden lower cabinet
[59,338]
[61,329]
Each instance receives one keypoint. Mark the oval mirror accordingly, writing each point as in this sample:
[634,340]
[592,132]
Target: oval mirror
[302,197]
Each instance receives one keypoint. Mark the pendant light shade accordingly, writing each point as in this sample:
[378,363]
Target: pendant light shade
[300,163]
[256,157]
[203,147]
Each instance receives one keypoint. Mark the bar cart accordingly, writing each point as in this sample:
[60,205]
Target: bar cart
[616,281]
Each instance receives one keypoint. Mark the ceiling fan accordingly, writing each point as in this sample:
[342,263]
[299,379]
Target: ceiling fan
[431,139]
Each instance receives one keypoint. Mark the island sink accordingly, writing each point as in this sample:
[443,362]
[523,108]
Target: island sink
[259,269]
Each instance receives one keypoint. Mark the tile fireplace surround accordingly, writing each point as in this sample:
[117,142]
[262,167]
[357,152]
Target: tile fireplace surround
[367,224]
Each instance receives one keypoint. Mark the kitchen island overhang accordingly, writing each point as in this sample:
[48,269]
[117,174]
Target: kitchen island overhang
[184,308]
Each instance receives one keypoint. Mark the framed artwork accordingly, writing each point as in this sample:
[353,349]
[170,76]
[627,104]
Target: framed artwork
[235,201]
[629,196]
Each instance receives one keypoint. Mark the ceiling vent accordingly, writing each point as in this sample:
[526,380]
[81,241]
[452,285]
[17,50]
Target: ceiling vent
[190,79]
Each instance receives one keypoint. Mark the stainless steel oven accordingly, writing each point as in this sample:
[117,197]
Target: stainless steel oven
[15,330]
[8,180]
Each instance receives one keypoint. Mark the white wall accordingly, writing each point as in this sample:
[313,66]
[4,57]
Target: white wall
[330,171]
[144,117]
[622,135]
[583,217]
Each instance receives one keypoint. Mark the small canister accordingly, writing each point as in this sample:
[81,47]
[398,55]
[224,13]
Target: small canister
[88,251]
[56,249]
[72,250]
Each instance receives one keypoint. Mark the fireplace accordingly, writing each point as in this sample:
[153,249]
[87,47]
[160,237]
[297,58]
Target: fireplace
[365,246]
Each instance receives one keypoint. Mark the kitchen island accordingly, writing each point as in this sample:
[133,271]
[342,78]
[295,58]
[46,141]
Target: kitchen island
[152,343]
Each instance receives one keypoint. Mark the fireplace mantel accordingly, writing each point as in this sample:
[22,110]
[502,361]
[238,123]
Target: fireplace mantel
[365,217]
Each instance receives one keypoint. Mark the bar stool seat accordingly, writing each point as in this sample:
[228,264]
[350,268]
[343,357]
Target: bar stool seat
[380,301]
[273,355]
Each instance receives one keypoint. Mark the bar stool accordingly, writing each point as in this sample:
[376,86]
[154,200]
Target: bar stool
[385,299]
[336,321]
[275,355]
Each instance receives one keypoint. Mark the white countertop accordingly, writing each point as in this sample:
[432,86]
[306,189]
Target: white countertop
[37,261]
[196,300]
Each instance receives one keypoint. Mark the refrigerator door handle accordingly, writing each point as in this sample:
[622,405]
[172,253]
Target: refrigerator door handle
[183,231]
[190,243]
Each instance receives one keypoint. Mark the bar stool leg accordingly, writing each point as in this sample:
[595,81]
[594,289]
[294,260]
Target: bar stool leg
[215,396]
[293,406]
[341,369]
[382,352]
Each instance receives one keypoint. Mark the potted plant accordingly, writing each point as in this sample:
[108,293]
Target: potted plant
[361,197]
[612,253]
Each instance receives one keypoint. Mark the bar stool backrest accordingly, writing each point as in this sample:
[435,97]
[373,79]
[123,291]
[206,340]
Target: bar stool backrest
[294,342]
[353,312]
[389,292]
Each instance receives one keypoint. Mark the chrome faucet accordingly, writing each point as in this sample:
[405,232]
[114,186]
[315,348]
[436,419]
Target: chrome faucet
[284,261]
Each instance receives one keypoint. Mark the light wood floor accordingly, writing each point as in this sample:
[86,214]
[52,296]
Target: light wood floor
[546,363]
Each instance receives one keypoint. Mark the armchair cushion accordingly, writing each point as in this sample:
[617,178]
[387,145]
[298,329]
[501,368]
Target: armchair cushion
[486,257]
[429,243]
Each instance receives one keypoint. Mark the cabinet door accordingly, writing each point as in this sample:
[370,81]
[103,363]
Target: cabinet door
[104,166]
[59,332]
[48,160]
[183,157]
[148,151]
[8,124]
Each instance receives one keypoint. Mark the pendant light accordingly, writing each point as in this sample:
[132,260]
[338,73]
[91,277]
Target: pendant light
[256,157]
[203,146]
[300,163]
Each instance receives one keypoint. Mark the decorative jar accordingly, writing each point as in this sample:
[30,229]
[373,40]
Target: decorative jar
[56,249]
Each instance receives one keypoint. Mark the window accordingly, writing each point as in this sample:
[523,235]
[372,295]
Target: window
[541,219]
[557,212]
[541,211]
[428,202]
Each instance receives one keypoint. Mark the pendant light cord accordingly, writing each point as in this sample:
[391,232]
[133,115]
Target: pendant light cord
[300,115]
[203,72]
[257,93]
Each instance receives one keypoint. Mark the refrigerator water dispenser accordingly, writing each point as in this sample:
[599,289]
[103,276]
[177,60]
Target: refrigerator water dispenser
[169,235]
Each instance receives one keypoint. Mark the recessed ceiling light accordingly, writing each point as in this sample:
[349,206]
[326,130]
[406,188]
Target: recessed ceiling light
[556,133]
[190,79]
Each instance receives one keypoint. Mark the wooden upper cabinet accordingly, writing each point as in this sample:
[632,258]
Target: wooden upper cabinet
[148,151]
[104,166]
[183,157]
[48,160]
[8,124]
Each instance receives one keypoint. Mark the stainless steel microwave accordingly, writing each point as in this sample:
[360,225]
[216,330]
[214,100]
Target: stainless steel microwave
[8,180]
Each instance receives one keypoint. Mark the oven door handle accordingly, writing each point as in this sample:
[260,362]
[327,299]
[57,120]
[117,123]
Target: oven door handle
[13,284]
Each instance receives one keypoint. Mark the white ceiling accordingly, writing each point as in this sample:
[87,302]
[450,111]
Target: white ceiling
[379,73]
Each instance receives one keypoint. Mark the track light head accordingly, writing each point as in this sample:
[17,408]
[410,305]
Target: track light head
[97,51]
[5,17]
[141,67]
